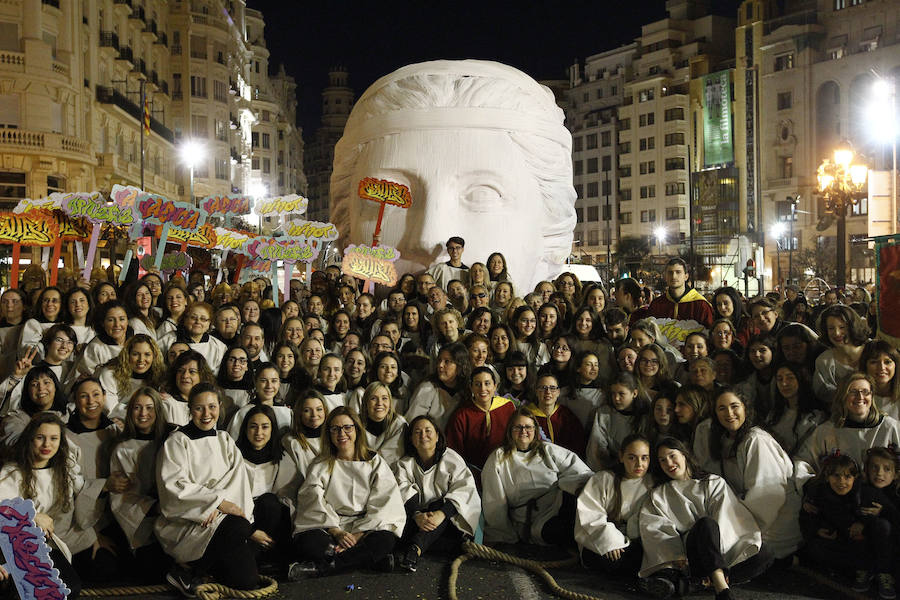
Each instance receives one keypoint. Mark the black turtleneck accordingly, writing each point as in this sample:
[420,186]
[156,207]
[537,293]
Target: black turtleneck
[312,432]
[376,428]
[257,457]
[195,433]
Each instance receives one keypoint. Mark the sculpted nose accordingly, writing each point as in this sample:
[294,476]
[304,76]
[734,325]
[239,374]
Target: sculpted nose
[431,220]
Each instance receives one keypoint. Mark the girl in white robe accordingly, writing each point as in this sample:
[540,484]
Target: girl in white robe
[205,500]
[186,371]
[856,425]
[77,313]
[134,454]
[58,344]
[236,381]
[384,428]
[41,392]
[845,333]
[46,312]
[138,365]
[266,383]
[194,330]
[529,487]
[12,319]
[330,381]
[694,519]
[349,510]
[386,369]
[111,325]
[606,516]
[260,444]
[758,470]
[615,421]
[44,471]
[794,412]
[439,396]
[176,301]
[301,445]
[438,489]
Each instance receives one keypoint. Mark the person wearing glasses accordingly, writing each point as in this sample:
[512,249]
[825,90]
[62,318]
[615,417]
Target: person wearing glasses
[681,301]
[479,297]
[529,487]
[349,509]
[856,425]
[557,422]
[454,268]
[765,317]
[236,381]
[193,329]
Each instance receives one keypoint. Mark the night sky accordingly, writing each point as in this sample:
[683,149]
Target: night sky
[373,38]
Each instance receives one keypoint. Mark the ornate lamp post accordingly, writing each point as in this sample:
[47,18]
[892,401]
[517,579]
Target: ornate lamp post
[841,183]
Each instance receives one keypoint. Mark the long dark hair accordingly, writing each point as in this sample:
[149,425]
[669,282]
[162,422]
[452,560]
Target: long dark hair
[38,308]
[460,357]
[618,471]
[771,407]
[58,464]
[160,428]
[718,432]
[273,448]
[694,468]
[395,386]
[66,315]
[59,398]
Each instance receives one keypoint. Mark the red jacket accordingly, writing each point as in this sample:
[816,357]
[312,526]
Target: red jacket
[692,305]
[469,433]
[564,428]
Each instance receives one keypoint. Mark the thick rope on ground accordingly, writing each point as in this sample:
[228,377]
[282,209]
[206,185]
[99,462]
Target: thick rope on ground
[204,591]
[539,568]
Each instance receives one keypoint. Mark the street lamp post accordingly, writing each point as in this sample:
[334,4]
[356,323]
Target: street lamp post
[191,154]
[777,233]
[841,183]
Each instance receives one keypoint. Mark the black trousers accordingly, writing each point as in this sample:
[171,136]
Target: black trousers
[628,564]
[150,563]
[375,545]
[67,572]
[96,569]
[230,556]
[702,547]
[273,517]
[560,530]
[875,552]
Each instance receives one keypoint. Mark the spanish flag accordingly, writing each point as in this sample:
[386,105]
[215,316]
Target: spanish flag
[146,115]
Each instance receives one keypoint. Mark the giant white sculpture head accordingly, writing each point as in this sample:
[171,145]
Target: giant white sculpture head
[484,151]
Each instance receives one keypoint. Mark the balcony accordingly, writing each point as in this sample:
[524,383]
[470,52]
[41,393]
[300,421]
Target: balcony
[13,61]
[164,86]
[125,53]
[109,95]
[23,140]
[109,39]
[201,54]
[162,38]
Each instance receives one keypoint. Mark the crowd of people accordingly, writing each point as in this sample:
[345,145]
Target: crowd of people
[180,430]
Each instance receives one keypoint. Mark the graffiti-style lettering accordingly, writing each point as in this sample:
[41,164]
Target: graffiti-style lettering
[96,210]
[36,227]
[289,249]
[382,190]
[312,230]
[228,239]
[205,237]
[28,556]
[370,268]
[220,206]
[159,211]
[282,205]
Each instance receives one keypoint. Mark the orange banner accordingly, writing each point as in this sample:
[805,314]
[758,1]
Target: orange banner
[34,228]
[381,190]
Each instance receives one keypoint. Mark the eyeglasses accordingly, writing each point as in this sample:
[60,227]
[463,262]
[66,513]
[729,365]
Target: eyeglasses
[339,428]
[198,318]
[547,388]
[567,283]
[479,295]
[523,428]
[63,341]
[860,393]
[454,248]
[648,361]
[558,348]
[237,361]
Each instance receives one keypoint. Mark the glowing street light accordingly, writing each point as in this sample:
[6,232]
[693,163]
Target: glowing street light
[842,183]
[660,234]
[192,154]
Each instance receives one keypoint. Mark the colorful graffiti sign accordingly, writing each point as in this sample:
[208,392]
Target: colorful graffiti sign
[371,264]
[34,228]
[675,330]
[27,554]
[222,206]
[171,262]
[95,209]
[231,240]
[281,205]
[312,230]
[387,192]
[158,210]
[205,237]
[287,249]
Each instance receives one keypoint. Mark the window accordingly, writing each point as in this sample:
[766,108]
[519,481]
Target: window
[578,143]
[198,47]
[265,140]
[220,91]
[784,100]
[198,86]
[12,186]
[647,119]
[267,116]
[55,184]
[783,210]
[625,194]
[199,127]
[607,163]
[607,187]
[254,163]
[266,165]
[624,147]
[9,37]
[675,188]
[578,167]
[593,237]
[593,189]
[625,218]
[592,165]
[674,114]
[254,139]
[648,167]
[674,164]
[674,139]
[221,131]
[645,95]
[786,167]
[591,141]
[579,215]
[648,191]
[613,90]
[579,191]
[625,171]
[607,212]
[674,213]
[593,214]
[599,93]
[784,62]
[221,168]
[648,143]
[648,216]
[605,139]
[9,111]
[625,124]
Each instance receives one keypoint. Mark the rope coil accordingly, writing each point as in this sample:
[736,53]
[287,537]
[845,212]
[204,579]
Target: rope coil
[204,591]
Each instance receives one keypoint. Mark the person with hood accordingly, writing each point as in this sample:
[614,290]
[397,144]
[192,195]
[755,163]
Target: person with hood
[681,301]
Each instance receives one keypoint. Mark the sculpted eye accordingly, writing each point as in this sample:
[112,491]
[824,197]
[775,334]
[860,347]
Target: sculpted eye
[482,198]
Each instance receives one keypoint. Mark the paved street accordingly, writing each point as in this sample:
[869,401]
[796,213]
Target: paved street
[483,580]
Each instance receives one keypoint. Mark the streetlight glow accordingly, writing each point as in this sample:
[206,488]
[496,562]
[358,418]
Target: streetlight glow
[192,153]
[777,230]
[660,234]
[257,190]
